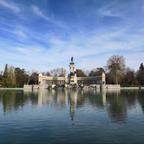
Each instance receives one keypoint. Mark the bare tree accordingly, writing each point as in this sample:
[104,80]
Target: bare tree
[46,73]
[61,72]
[116,68]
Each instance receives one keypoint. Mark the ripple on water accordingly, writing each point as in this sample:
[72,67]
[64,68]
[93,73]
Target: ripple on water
[72,117]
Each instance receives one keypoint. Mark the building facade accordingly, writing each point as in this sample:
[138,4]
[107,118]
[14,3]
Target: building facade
[71,78]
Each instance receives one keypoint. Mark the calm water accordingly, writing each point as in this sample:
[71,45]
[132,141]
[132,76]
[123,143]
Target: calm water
[71,116]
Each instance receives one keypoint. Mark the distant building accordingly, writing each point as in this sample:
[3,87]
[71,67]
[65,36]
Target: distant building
[71,79]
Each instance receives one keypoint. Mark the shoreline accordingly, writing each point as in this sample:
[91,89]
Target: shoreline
[11,88]
[132,88]
[121,88]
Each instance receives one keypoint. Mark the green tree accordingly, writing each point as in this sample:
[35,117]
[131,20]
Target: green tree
[140,74]
[80,73]
[1,79]
[5,77]
[130,78]
[96,72]
[9,79]
[21,77]
[33,78]
[12,78]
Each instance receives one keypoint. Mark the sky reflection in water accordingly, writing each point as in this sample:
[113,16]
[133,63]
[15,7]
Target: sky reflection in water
[71,116]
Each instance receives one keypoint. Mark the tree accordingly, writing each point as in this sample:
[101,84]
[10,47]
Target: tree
[130,78]
[1,79]
[47,73]
[116,68]
[21,77]
[96,72]
[61,72]
[9,79]
[5,76]
[12,78]
[33,78]
[80,73]
[140,74]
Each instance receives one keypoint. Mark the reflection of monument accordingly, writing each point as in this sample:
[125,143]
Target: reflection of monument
[71,79]
[73,97]
[103,92]
[114,102]
[72,110]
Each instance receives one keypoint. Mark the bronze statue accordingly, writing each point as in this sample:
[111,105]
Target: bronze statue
[71,59]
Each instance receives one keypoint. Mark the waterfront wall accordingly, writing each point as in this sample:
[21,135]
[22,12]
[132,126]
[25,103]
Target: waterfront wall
[35,86]
[132,88]
[27,86]
[97,86]
[31,86]
[112,86]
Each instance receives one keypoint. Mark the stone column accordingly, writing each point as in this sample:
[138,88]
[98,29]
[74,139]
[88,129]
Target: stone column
[103,78]
[103,81]
[40,79]
[72,66]
[75,78]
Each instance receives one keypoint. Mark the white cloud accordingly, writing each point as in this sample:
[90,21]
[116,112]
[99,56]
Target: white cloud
[91,50]
[17,31]
[23,51]
[109,10]
[39,13]
[10,6]
[28,51]
[41,51]
[20,33]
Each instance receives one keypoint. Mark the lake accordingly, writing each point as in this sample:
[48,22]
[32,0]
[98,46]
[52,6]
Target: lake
[71,116]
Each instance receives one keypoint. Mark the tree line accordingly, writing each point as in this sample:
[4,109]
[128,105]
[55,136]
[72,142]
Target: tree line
[118,73]
[17,77]
[115,70]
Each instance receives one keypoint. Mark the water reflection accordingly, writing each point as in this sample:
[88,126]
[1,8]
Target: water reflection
[115,103]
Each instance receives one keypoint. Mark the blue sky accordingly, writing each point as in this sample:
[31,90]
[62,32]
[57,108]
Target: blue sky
[43,34]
